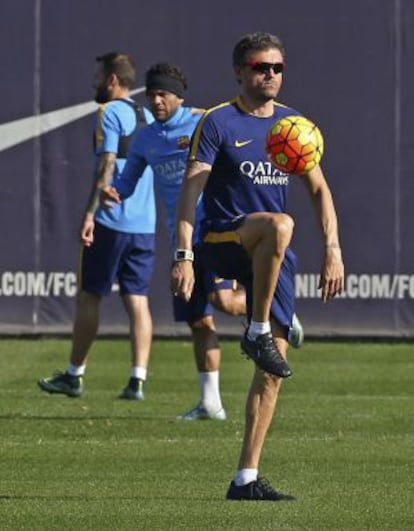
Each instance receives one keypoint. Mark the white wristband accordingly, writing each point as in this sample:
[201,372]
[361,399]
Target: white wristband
[183,254]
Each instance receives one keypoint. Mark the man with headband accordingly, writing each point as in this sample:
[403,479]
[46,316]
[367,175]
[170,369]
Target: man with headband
[164,145]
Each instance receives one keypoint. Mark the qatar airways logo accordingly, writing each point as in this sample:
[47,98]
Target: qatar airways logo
[171,169]
[264,173]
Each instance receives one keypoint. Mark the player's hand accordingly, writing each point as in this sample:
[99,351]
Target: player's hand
[332,275]
[108,196]
[87,229]
[182,279]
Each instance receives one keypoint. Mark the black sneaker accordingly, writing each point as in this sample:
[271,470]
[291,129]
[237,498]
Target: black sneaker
[264,353]
[134,390]
[260,489]
[62,383]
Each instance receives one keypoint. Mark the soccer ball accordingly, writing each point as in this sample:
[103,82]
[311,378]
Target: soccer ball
[294,145]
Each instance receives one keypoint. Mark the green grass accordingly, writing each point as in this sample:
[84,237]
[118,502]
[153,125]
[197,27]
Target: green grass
[342,442]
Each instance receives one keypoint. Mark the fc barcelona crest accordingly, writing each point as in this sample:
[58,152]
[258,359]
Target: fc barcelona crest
[183,142]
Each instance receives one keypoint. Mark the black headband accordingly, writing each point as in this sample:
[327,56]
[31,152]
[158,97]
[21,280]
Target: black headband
[166,82]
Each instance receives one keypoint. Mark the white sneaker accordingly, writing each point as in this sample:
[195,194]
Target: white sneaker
[200,413]
[296,333]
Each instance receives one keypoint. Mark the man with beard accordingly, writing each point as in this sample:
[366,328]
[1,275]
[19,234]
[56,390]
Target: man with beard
[116,245]
[246,233]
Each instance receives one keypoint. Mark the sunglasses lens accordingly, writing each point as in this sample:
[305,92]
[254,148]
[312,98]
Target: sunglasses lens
[264,68]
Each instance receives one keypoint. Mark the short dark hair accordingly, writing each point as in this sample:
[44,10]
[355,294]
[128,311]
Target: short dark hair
[165,69]
[253,42]
[119,64]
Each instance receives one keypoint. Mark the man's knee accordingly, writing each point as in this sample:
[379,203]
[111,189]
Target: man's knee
[266,226]
[281,231]
[282,225]
[232,302]
[205,337]
[87,298]
[205,323]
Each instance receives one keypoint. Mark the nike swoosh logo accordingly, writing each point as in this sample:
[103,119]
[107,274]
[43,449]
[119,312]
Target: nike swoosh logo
[241,143]
[18,131]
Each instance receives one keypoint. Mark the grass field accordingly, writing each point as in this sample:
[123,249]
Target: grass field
[342,442]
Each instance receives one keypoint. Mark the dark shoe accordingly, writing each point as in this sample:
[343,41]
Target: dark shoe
[260,489]
[62,383]
[264,353]
[134,390]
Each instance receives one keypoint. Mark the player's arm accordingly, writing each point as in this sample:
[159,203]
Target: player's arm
[182,275]
[105,170]
[332,273]
[126,183]
[106,167]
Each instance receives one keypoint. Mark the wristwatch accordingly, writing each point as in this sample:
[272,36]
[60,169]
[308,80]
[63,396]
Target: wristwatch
[183,254]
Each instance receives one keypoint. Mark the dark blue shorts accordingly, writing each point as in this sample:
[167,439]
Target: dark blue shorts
[222,252]
[117,256]
[205,282]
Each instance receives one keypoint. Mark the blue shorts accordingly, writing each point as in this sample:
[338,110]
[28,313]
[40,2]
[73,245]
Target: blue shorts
[117,256]
[205,282]
[222,252]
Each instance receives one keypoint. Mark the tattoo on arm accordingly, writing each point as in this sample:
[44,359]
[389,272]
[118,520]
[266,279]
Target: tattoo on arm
[106,168]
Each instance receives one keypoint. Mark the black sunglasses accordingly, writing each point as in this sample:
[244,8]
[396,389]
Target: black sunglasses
[264,68]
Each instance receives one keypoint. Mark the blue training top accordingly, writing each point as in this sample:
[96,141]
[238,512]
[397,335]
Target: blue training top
[165,147]
[242,179]
[137,214]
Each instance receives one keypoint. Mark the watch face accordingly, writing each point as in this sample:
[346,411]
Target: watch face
[183,254]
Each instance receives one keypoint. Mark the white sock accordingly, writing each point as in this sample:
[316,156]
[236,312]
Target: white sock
[245,475]
[76,370]
[210,390]
[139,372]
[257,329]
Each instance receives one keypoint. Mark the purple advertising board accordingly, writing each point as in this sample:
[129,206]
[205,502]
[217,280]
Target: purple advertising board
[348,69]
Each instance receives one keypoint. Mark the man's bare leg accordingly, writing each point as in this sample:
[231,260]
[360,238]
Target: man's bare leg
[85,328]
[260,409]
[140,325]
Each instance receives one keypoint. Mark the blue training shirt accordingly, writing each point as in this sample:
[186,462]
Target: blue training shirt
[165,147]
[242,179]
[137,214]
